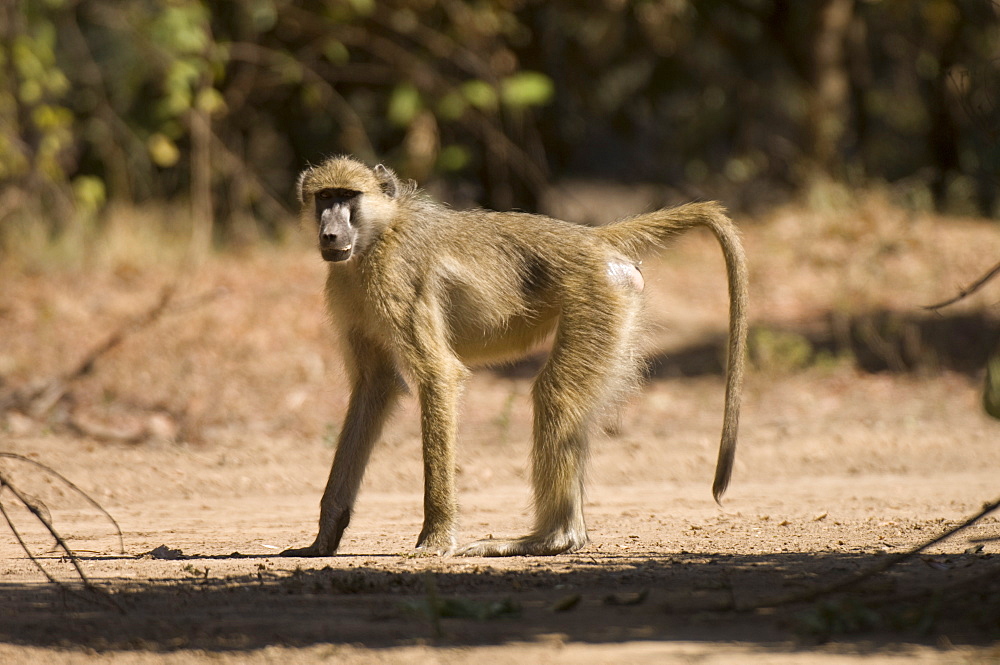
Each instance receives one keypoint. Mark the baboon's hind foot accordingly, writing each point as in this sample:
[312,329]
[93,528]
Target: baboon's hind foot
[532,545]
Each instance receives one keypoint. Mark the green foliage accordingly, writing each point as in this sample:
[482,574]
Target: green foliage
[838,617]
[32,87]
[222,103]
[991,393]
[780,350]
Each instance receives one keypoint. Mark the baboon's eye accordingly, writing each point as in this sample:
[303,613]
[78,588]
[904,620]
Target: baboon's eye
[336,193]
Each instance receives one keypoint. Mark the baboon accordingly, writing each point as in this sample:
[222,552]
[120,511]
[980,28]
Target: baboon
[418,292]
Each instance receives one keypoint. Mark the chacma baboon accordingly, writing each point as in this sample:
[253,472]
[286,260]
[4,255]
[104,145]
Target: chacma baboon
[418,292]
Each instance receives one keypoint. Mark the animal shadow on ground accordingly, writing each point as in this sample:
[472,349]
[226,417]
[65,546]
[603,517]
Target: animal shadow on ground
[876,341]
[592,598]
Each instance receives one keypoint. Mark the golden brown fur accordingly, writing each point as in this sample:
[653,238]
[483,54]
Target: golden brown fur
[419,292]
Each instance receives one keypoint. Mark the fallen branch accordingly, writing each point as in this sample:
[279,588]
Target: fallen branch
[157,424]
[38,513]
[881,567]
[41,400]
[967,291]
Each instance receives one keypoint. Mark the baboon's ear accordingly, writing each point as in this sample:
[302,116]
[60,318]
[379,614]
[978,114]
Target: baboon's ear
[387,180]
[299,194]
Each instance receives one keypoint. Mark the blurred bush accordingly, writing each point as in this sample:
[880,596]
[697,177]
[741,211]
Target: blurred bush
[221,103]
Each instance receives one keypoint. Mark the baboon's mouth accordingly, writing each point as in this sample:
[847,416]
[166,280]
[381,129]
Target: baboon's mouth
[331,254]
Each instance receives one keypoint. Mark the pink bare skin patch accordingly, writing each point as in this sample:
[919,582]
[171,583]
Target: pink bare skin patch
[626,274]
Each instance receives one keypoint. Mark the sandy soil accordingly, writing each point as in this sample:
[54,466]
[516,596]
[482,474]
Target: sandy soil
[838,469]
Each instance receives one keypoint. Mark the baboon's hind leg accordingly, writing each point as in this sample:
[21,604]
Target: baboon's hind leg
[592,359]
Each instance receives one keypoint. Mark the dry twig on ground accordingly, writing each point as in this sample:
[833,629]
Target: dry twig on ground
[37,510]
[39,399]
[861,576]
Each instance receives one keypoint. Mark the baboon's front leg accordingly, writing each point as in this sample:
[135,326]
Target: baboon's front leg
[375,391]
[424,344]
[439,424]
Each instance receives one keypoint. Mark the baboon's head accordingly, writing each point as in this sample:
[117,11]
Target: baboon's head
[349,202]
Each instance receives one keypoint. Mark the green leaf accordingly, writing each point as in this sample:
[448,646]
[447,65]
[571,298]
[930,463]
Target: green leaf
[452,106]
[48,117]
[335,51]
[363,7]
[178,84]
[30,92]
[263,14]
[527,89]
[480,94]
[290,69]
[453,158]
[312,96]
[89,193]
[404,104]
[211,101]
[162,150]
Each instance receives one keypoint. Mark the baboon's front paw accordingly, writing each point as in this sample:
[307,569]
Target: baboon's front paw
[311,550]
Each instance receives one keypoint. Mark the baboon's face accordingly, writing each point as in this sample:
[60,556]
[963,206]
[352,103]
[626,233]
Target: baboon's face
[337,220]
[349,203]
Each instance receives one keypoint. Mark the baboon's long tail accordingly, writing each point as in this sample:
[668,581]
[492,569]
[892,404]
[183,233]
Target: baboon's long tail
[634,236]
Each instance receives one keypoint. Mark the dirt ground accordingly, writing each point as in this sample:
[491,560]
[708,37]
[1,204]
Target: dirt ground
[234,399]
